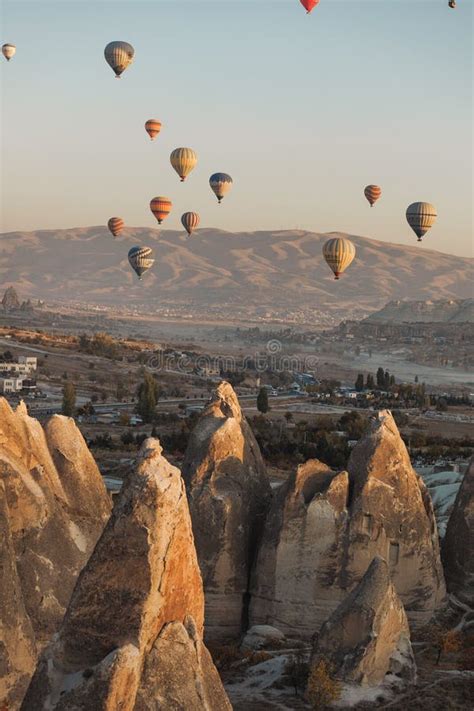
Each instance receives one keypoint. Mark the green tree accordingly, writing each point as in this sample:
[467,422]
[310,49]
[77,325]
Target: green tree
[262,401]
[147,392]
[359,383]
[121,391]
[380,377]
[69,399]
[386,380]
[370,383]
[288,416]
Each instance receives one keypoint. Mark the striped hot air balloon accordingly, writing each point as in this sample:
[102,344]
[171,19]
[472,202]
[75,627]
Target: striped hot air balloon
[153,127]
[119,55]
[190,221]
[421,216]
[309,5]
[220,184]
[161,207]
[8,51]
[183,161]
[141,259]
[116,225]
[338,253]
[372,193]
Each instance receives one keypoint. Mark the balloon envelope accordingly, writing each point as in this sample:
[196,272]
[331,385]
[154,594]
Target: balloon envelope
[119,55]
[161,207]
[183,161]
[116,225]
[338,253]
[421,216]
[8,51]
[153,127]
[190,221]
[309,5]
[220,184]
[372,193]
[141,259]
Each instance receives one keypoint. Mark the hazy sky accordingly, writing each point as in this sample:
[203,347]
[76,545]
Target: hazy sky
[302,111]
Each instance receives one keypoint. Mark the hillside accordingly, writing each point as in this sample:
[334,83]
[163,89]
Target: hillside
[277,272]
[430,311]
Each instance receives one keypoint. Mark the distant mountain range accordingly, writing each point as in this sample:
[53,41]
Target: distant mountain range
[257,272]
[430,311]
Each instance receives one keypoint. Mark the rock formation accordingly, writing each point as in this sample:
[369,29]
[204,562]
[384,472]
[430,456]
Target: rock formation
[17,640]
[458,545]
[296,583]
[132,635]
[229,494]
[53,525]
[324,529]
[10,300]
[367,636]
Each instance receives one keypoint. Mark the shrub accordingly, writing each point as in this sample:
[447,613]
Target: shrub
[296,671]
[322,688]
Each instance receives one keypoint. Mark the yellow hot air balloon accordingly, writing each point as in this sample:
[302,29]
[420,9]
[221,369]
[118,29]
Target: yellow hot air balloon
[116,225]
[119,55]
[372,193]
[421,216]
[161,207]
[338,253]
[153,127]
[8,51]
[190,220]
[183,161]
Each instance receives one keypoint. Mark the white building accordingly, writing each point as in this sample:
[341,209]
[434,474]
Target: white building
[30,361]
[25,366]
[11,385]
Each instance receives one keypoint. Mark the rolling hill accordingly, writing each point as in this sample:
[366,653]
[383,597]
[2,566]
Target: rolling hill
[270,271]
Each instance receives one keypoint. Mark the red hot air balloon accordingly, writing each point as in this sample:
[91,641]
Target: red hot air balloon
[309,5]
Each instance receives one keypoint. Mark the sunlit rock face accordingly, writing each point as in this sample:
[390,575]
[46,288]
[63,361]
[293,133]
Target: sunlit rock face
[229,494]
[131,638]
[458,544]
[55,506]
[367,637]
[325,528]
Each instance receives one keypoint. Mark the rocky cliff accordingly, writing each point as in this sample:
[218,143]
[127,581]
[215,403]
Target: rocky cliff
[229,494]
[132,635]
[324,530]
[53,527]
[367,637]
[458,544]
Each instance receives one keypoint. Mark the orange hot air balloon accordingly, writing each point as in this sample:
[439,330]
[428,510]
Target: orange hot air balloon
[309,5]
[161,207]
[372,193]
[153,127]
[116,225]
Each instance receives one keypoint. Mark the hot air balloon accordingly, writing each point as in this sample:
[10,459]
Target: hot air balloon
[116,225]
[220,184]
[338,253]
[153,127]
[372,193]
[421,216]
[309,5]
[119,55]
[141,259]
[183,161]
[8,51]
[161,207]
[190,220]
